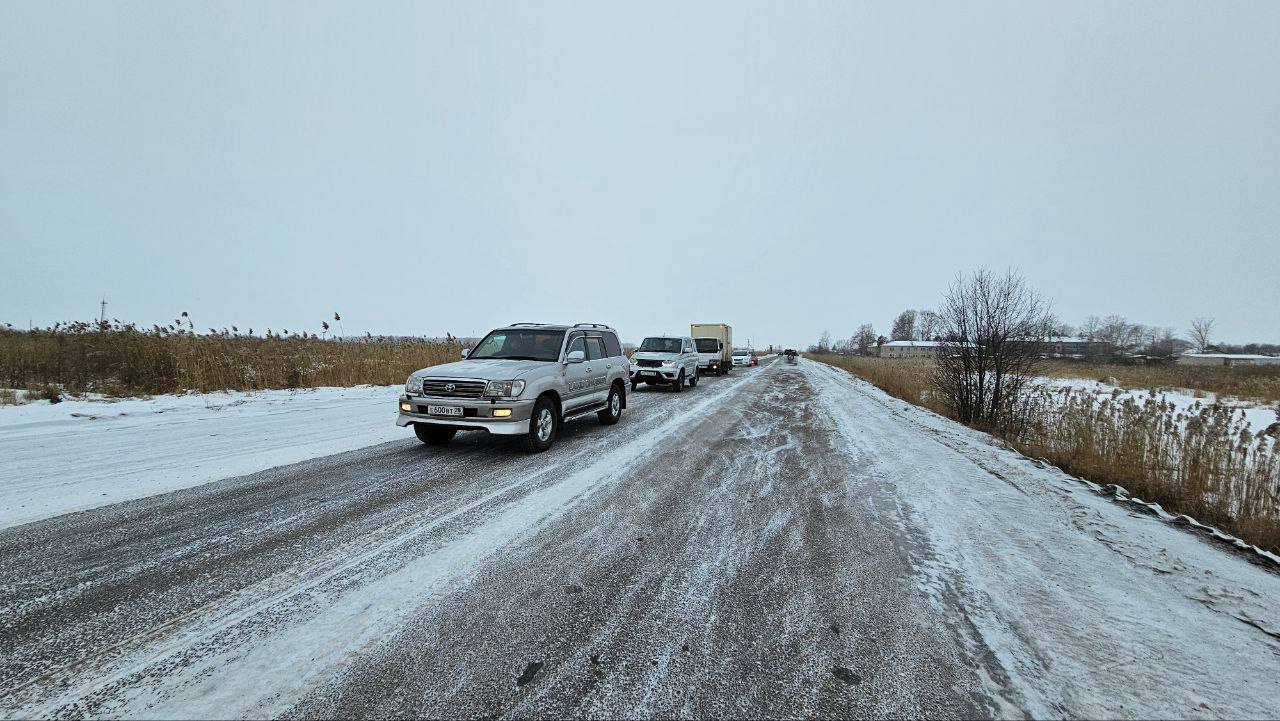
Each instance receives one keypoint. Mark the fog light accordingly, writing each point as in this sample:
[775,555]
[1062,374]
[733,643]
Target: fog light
[501,412]
[406,407]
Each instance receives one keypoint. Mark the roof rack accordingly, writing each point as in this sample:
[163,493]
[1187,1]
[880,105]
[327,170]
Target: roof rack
[513,325]
[591,325]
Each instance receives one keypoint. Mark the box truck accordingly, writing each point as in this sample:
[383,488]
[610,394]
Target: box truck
[715,347]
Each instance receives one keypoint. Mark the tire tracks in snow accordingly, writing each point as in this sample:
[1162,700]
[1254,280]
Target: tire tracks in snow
[110,679]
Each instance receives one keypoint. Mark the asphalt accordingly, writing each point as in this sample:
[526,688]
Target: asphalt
[721,552]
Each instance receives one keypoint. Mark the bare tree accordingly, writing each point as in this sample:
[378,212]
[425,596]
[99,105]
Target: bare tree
[904,326]
[865,338]
[1201,334]
[927,324]
[988,357]
[824,342]
[1091,327]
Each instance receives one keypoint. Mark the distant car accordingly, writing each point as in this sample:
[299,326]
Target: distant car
[741,358]
[525,380]
[755,360]
[665,360]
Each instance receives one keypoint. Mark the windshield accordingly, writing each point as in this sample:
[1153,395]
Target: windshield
[535,345]
[707,345]
[661,345]
[742,352]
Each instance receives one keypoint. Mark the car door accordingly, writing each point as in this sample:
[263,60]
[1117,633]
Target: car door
[690,358]
[576,375]
[598,367]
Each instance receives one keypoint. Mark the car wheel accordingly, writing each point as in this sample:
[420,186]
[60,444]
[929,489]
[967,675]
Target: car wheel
[613,410]
[542,426]
[434,435]
[693,382]
[679,384]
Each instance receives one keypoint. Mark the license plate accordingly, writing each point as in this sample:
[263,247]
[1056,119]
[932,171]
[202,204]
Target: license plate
[444,410]
[649,373]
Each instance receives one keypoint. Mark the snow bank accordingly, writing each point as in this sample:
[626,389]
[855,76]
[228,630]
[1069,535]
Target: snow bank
[81,454]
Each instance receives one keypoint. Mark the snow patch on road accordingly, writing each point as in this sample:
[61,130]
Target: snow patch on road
[83,454]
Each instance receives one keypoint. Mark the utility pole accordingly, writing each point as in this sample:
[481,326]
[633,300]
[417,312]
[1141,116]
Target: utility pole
[102,314]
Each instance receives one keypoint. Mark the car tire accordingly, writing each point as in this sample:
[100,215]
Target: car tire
[613,408]
[543,426]
[679,384]
[693,382]
[434,435]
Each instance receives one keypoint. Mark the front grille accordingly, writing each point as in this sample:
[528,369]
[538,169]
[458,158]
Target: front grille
[461,389]
[646,363]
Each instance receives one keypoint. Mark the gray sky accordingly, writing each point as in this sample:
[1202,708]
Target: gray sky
[783,167]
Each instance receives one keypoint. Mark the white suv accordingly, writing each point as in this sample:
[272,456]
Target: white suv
[665,360]
[525,380]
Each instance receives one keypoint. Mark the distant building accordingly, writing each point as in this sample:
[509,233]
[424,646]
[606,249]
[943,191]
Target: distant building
[910,349]
[1227,359]
[1074,347]
[1061,346]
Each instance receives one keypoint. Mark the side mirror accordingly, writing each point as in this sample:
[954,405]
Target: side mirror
[465,352]
[576,356]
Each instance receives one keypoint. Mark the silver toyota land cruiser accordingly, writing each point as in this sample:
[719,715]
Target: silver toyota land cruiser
[525,379]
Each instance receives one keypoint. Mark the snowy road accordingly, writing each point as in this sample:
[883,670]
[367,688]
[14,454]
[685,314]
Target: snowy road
[784,542]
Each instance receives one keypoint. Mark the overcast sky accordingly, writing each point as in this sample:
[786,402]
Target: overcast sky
[785,167]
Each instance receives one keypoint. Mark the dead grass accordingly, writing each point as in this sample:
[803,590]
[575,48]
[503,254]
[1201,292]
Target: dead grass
[116,359]
[1260,383]
[1201,462]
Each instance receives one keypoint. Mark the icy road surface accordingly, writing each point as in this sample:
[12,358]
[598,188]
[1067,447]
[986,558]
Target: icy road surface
[787,541]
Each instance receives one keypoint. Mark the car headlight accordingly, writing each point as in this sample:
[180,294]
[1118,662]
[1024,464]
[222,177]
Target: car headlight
[504,389]
[669,364]
[413,386]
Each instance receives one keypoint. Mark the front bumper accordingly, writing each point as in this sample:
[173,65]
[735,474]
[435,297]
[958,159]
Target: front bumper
[652,375]
[709,365]
[477,414]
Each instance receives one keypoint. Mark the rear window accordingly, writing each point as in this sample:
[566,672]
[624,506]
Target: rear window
[707,345]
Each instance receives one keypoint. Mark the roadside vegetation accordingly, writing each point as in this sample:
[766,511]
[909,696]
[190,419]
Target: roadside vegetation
[1201,461]
[118,359]
[1259,383]
[1204,460]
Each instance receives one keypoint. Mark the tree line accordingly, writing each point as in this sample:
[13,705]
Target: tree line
[990,330]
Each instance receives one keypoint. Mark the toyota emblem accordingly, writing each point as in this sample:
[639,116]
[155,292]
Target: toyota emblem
[450,387]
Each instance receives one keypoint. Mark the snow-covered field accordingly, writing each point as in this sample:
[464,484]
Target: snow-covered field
[81,454]
[1258,415]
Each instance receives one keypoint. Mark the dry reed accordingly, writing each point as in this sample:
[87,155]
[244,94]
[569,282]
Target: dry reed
[1203,462]
[122,359]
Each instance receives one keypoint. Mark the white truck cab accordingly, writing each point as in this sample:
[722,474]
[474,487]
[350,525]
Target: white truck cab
[714,342]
